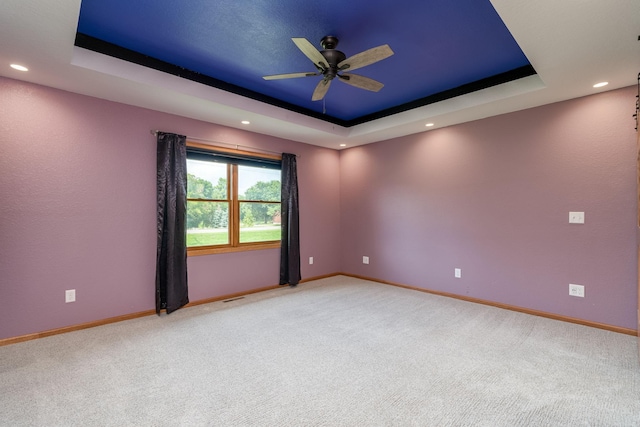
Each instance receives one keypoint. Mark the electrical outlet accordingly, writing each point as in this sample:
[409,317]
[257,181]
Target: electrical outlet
[576,217]
[576,290]
[70,295]
[365,260]
[310,260]
[457,273]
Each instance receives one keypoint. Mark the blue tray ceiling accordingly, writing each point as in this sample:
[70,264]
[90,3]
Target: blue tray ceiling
[443,48]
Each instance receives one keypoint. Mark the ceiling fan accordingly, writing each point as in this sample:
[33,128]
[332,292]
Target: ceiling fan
[332,63]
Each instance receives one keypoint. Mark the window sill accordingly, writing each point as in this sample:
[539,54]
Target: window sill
[208,250]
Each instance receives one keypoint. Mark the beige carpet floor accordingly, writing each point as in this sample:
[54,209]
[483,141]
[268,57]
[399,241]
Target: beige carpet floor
[334,352]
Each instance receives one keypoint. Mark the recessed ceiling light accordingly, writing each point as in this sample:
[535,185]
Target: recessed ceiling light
[343,145]
[19,67]
[601,84]
[245,122]
[429,125]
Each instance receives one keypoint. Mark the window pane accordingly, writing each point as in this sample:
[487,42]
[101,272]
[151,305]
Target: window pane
[206,180]
[259,222]
[207,223]
[258,184]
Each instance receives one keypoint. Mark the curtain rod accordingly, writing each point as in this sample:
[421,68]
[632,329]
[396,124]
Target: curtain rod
[237,146]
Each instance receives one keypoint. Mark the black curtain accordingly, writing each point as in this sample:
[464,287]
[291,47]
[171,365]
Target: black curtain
[171,260]
[290,245]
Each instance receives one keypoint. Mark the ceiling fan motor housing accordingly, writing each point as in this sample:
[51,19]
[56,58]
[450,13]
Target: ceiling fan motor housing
[333,56]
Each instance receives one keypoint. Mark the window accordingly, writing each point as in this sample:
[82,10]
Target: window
[233,200]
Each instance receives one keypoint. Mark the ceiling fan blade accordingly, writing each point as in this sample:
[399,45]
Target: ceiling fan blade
[321,90]
[289,76]
[311,52]
[365,58]
[361,82]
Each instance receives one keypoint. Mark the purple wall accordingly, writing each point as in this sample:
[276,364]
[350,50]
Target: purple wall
[77,184]
[77,191]
[492,197]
